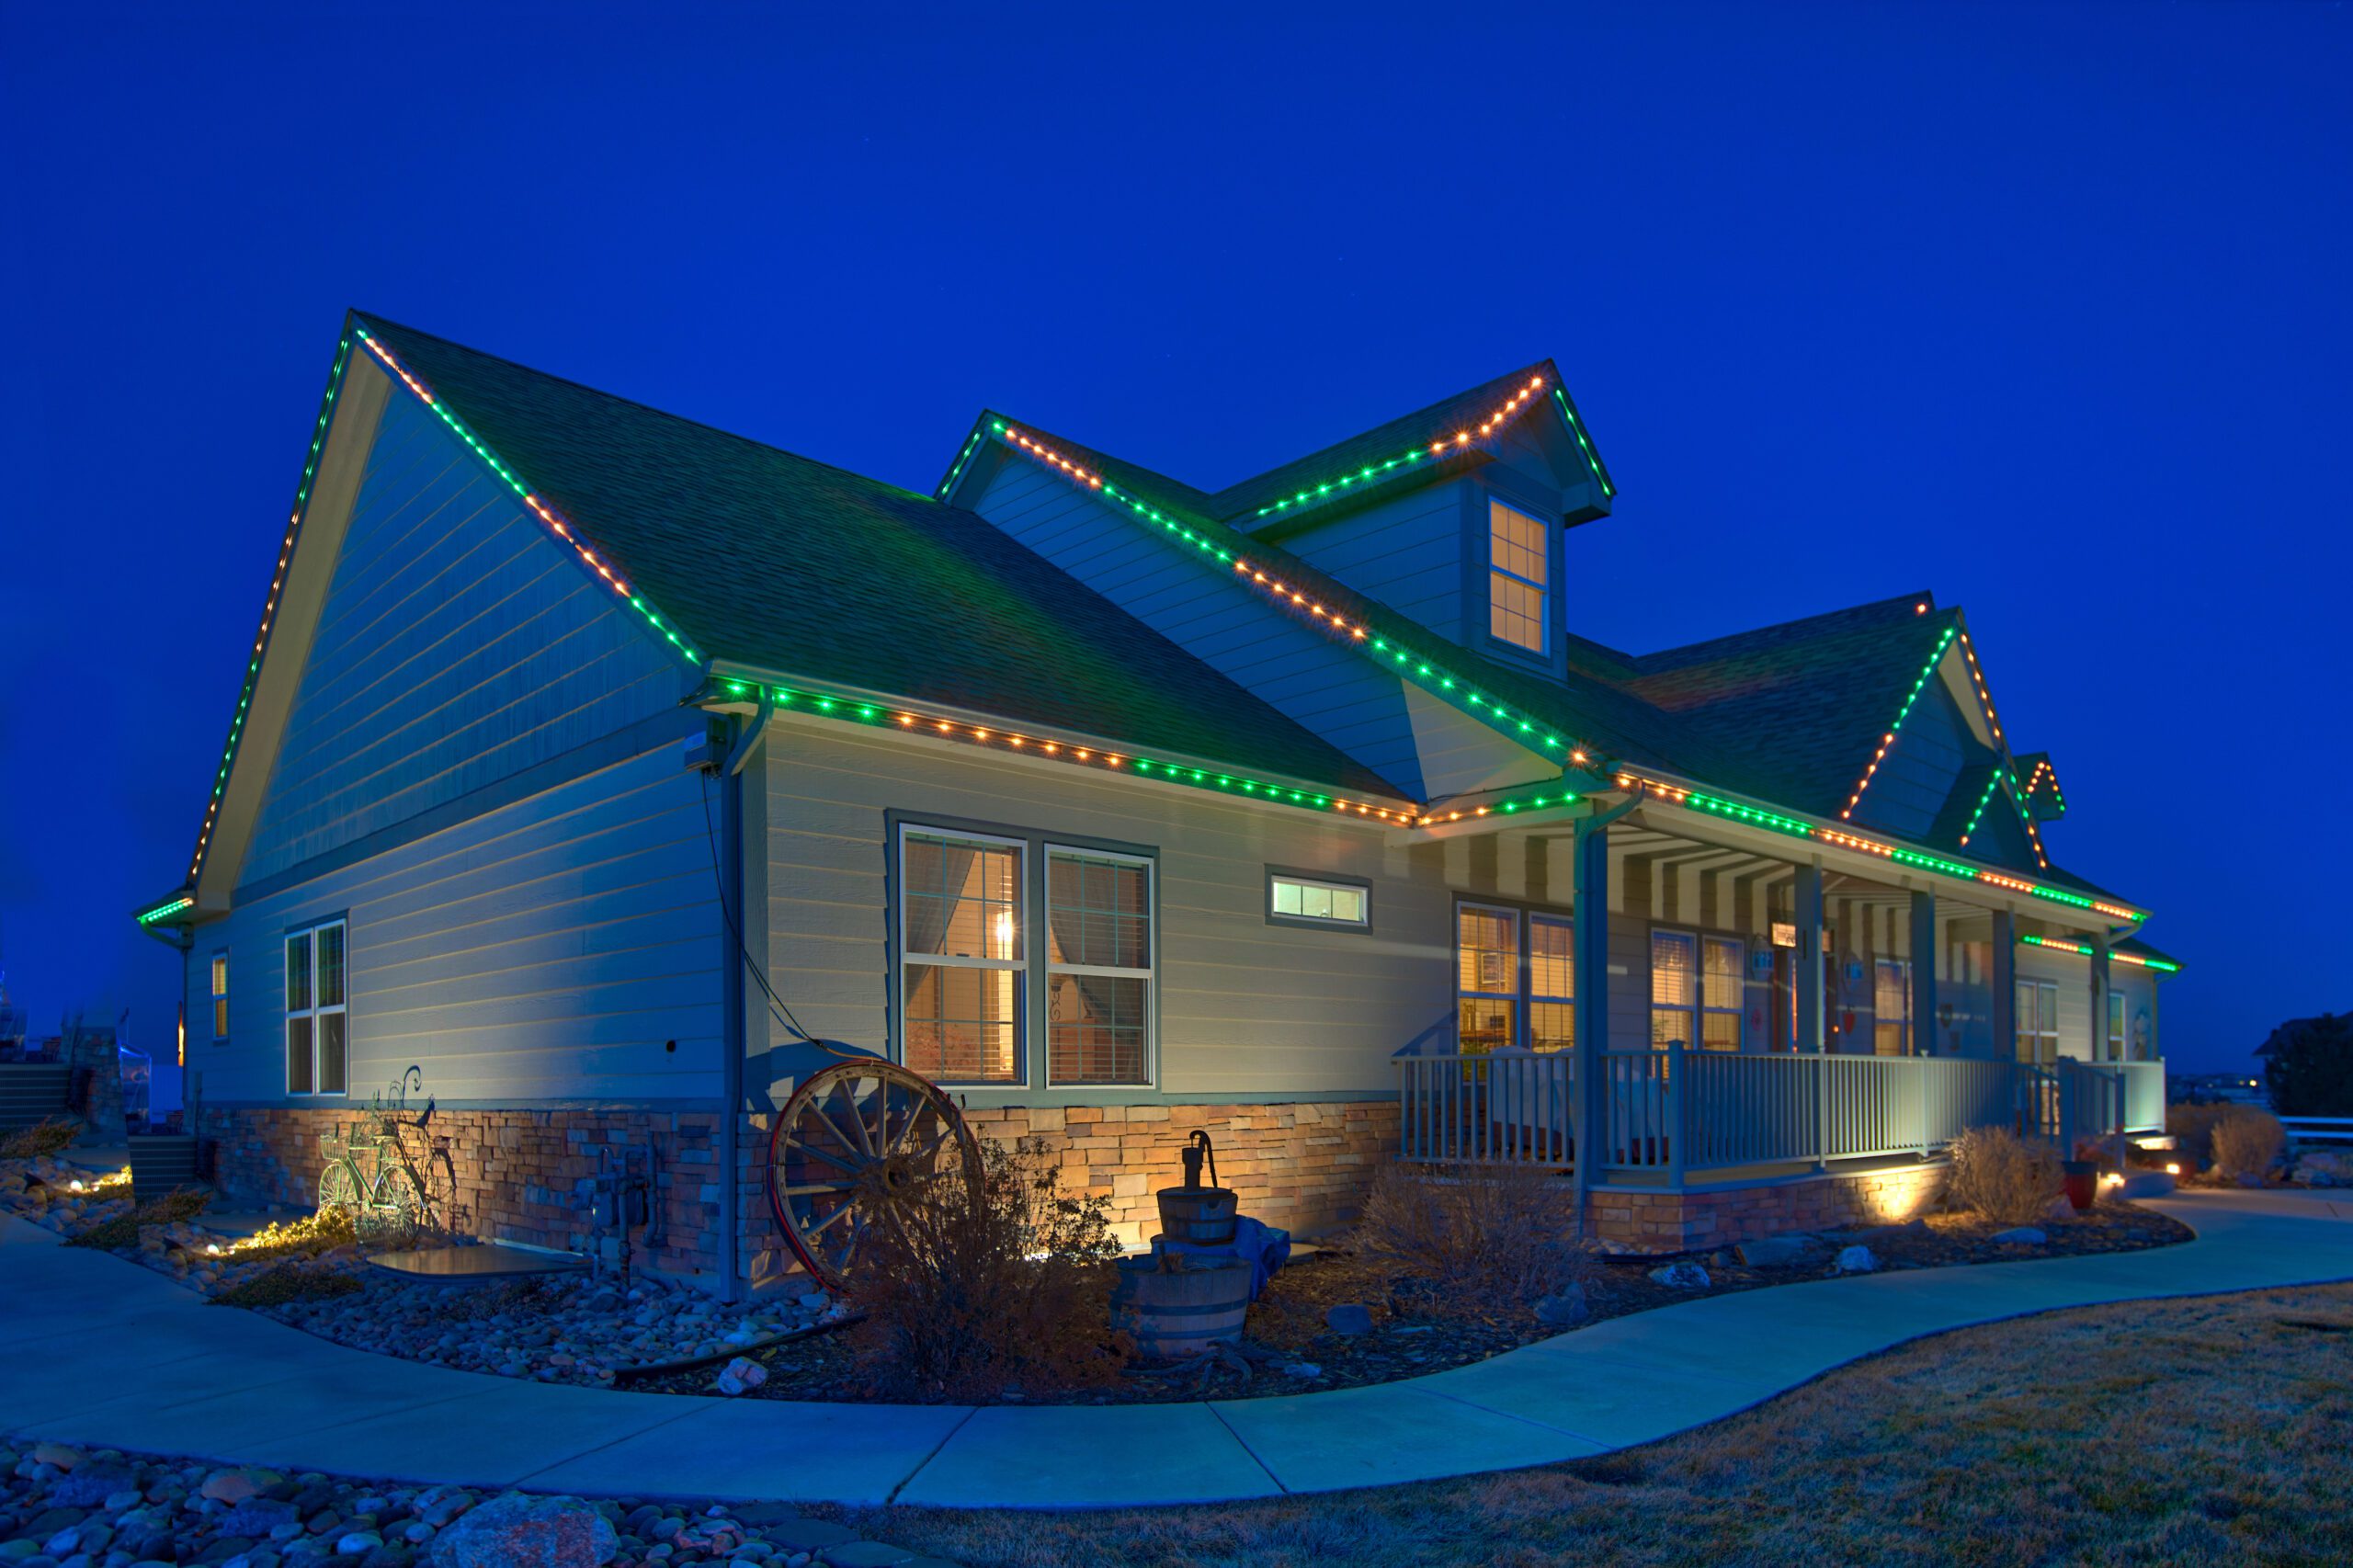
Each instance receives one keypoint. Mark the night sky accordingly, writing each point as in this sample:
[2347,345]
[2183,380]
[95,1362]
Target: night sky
[2046,310]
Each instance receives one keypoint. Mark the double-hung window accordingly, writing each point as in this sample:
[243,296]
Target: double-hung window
[2116,1051]
[220,998]
[2038,1021]
[962,925]
[1551,985]
[1518,577]
[1891,1007]
[1486,983]
[1698,991]
[1099,967]
[317,1010]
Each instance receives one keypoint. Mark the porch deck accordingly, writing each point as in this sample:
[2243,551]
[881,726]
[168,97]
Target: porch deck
[1665,1116]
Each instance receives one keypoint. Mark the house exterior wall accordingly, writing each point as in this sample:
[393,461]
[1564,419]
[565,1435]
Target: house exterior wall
[1406,551]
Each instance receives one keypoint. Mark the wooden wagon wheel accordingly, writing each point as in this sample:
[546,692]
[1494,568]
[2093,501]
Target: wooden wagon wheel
[856,1142]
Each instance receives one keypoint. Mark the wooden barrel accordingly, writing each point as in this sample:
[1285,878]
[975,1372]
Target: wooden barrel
[1181,1311]
[1202,1215]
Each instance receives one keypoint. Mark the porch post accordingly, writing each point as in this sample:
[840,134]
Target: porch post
[1812,1002]
[1925,956]
[2112,1084]
[1589,942]
[2004,1008]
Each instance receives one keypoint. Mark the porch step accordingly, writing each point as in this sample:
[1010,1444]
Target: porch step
[33,1092]
[161,1163]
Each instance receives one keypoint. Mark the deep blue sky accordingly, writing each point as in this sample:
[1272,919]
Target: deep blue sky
[2045,309]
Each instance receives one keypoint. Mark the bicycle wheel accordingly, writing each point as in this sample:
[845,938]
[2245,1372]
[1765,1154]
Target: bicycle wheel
[339,1188]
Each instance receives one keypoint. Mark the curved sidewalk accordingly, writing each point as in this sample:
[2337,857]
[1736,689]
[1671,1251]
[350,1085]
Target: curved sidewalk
[114,1356]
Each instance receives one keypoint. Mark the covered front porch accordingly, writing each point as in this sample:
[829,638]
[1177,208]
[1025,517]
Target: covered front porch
[1707,1013]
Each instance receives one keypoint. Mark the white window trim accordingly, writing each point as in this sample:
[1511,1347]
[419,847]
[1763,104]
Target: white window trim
[316,1011]
[2118,1026]
[1018,967]
[1151,977]
[1543,649]
[1903,1018]
[1329,885]
[2046,988]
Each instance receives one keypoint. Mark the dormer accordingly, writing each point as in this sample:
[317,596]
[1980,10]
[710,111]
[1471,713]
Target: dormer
[1453,515]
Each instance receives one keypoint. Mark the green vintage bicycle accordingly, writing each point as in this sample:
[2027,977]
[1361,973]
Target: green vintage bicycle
[388,1171]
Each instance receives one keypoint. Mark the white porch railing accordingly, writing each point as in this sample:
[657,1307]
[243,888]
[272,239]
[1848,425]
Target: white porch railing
[2317,1132]
[1677,1112]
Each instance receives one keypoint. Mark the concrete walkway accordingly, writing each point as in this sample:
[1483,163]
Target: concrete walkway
[103,1354]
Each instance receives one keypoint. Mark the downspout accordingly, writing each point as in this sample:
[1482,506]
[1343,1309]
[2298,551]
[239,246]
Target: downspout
[733,1028]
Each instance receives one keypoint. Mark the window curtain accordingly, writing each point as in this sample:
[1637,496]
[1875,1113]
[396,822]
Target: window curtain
[928,917]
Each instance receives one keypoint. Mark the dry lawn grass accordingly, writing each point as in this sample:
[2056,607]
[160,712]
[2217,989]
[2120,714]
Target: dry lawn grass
[2211,1431]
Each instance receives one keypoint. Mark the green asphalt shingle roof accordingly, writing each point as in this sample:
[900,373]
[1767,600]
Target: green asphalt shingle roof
[782,563]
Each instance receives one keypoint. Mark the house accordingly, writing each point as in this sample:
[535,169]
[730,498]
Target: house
[587,756]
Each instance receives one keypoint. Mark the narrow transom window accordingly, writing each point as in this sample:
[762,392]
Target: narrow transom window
[1098,968]
[1486,979]
[317,1010]
[960,946]
[1519,575]
[1312,902]
[220,996]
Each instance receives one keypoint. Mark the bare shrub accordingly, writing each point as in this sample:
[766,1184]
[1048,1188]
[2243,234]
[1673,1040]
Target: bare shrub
[2247,1141]
[2192,1127]
[1487,1234]
[2002,1176]
[42,1140]
[287,1283]
[990,1284]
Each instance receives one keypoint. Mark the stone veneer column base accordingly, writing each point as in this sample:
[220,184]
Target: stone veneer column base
[1677,1221]
[523,1176]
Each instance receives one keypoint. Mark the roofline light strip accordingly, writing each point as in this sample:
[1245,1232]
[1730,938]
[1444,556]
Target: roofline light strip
[1548,795]
[956,468]
[1798,827]
[554,520]
[2026,818]
[166,910]
[1577,428]
[915,720]
[269,609]
[1427,452]
[2164,966]
[1983,801]
[2034,780]
[1887,741]
[1432,677]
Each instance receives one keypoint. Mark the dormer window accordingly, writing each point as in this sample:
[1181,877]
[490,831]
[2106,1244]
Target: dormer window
[1518,576]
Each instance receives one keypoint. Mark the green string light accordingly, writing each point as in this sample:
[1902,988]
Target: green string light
[165,911]
[1750,814]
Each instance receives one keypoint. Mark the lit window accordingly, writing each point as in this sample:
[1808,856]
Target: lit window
[1099,967]
[1891,1007]
[1674,991]
[1518,572]
[317,1010]
[220,996]
[1551,985]
[1486,979]
[1310,901]
[2116,1051]
[960,955]
[1721,993]
[2038,1021]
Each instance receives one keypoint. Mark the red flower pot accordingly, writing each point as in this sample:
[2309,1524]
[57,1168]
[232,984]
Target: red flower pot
[2083,1183]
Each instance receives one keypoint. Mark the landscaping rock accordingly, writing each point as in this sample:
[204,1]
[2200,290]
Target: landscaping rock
[2321,1167]
[1771,1252]
[1564,1308]
[518,1531]
[807,1535]
[1684,1276]
[258,1516]
[1349,1318]
[231,1486]
[1857,1260]
[1303,1370]
[866,1554]
[739,1374]
[2023,1235]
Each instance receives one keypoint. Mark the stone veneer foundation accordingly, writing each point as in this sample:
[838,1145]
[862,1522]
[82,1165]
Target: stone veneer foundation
[523,1176]
[1658,1220]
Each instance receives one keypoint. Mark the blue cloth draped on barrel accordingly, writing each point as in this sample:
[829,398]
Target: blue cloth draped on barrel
[1265,1247]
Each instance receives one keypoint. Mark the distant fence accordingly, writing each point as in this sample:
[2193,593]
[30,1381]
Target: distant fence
[2318,1132]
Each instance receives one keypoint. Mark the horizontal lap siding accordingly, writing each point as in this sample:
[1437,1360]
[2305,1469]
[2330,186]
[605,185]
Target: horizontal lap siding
[458,645]
[1245,1007]
[2072,975]
[1920,769]
[546,950]
[1406,552]
[1230,626]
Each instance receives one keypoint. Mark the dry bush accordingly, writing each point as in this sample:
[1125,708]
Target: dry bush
[986,1285]
[1490,1235]
[123,1230]
[42,1140]
[2247,1141]
[2007,1178]
[289,1282]
[2192,1127]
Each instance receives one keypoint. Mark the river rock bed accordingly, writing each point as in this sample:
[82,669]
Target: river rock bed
[64,1505]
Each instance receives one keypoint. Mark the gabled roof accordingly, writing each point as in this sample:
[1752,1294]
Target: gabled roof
[1406,432]
[779,563]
